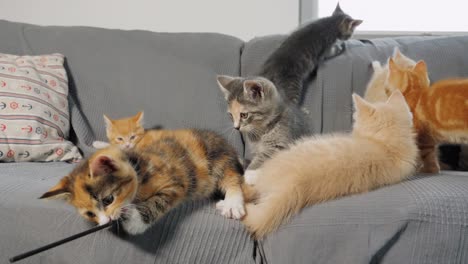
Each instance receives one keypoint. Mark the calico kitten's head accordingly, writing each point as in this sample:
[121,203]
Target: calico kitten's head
[407,80]
[252,102]
[347,23]
[382,119]
[125,132]
[100,187]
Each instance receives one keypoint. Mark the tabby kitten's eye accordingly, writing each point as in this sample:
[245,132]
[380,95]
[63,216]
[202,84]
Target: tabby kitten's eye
[108,200]
[90,214]
[132,137]
[120,139]
[244,115]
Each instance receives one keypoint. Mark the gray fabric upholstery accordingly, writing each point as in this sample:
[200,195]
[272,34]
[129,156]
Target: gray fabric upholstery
[170,76]
[423,220]
[193,233]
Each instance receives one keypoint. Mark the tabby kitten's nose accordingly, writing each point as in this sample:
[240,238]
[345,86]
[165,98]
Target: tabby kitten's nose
[237,127]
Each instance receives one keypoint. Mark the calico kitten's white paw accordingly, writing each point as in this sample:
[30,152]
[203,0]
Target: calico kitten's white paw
[250,176]
[133,223]
[100,144]
[232,206]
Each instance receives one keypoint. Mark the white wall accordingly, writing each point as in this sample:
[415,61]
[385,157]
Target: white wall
[242,18]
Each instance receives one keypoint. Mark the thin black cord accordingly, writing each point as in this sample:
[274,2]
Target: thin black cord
[63,241]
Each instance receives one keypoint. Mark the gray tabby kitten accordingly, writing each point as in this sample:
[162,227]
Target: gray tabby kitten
[265,108]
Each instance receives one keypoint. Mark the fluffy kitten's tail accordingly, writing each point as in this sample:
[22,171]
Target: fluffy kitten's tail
[268,214]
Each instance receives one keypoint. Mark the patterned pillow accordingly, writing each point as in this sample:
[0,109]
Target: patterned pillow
[34,116]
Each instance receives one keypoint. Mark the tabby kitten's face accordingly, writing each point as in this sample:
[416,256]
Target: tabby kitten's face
[100,188]
[251,101]
[347,24]
[125,132]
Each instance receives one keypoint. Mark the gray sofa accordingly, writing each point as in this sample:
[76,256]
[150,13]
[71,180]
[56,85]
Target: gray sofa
[171,76]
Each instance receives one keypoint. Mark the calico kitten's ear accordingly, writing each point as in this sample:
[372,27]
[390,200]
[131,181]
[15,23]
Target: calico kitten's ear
[259,89]
[254,90]
[60,191]
[223,82]
[338,10]
[102,165]
[361,106]
[138,118]
[420,68]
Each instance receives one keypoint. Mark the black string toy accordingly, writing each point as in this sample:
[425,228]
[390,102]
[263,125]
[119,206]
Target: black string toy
[60,242]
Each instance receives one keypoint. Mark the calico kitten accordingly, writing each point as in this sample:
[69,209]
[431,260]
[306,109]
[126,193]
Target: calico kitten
[125,132]
[381,150]
[164,169]
[265,107]
[440,110]
[374,89]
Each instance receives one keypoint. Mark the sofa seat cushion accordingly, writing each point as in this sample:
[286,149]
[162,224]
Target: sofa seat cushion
[422,220]
[192,233]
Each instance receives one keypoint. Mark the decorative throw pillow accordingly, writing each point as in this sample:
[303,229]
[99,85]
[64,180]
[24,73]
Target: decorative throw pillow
[34,115]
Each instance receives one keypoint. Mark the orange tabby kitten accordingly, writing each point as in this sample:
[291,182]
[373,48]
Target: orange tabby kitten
[125,132]
[374,91]
[440,110]
[163,169]
[381,150]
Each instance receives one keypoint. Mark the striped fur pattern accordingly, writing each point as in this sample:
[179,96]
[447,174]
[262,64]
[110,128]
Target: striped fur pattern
[164,169]
[380,151]
[265,107]
[440,110]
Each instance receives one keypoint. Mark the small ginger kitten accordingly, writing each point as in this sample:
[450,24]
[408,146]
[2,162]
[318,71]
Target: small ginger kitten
[374,91]
[139,184]
[440,110]
[124,132]
[381,150]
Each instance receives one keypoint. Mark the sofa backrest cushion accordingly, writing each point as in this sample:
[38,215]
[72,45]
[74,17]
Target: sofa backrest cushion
[327,97]
[171,76]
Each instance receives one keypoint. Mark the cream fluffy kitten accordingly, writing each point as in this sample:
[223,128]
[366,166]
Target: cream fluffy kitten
[381,150]
[375,91]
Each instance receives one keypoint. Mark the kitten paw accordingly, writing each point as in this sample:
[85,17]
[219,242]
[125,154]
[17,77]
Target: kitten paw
[250,176]
[232,207]
[133,223]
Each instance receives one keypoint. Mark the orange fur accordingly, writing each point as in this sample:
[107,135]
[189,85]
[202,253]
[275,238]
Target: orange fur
[163,169]
[375,91]
[440,110]
[125,132]
[380,151]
